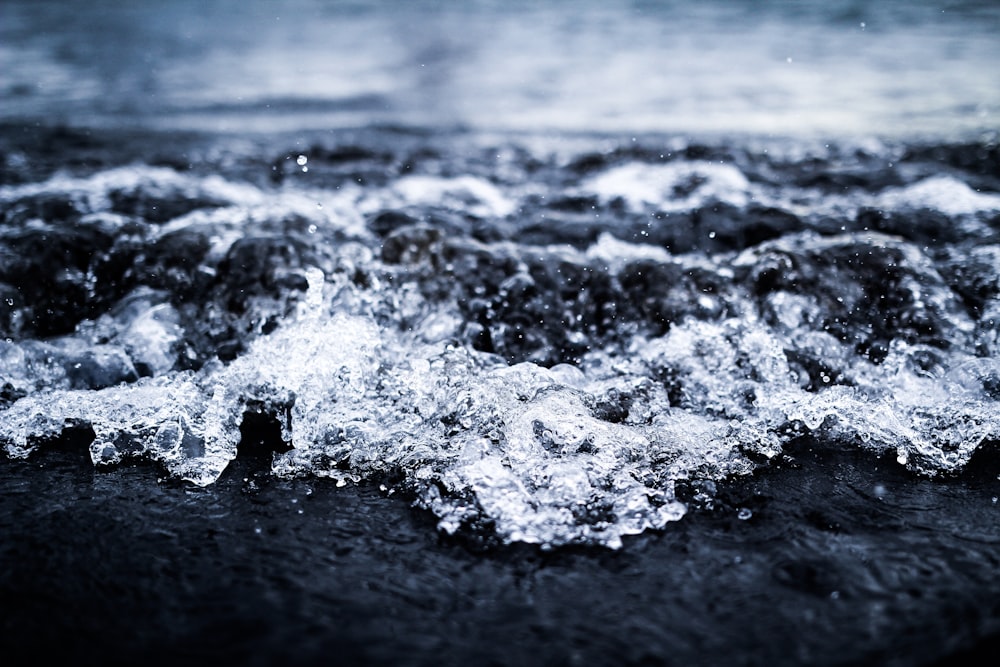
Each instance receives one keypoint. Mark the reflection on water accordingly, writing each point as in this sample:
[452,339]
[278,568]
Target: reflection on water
[777,67]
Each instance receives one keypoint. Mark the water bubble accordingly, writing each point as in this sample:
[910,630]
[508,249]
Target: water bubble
[312,229]
[744,514]
[302,160]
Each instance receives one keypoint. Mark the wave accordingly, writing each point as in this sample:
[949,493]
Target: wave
[535,339]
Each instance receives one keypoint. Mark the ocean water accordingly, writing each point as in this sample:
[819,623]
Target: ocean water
[555,275]
[835,68]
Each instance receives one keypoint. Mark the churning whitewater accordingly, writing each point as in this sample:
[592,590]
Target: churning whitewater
[536,340]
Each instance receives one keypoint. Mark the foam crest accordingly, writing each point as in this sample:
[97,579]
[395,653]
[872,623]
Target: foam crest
[674,186]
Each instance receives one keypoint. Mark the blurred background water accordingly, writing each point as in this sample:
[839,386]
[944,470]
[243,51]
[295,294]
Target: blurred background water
[817,67]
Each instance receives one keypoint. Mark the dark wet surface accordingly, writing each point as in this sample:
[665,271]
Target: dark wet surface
[843,560]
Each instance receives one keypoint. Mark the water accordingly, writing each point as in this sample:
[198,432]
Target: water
[831,68]
[548,281]
[533,338]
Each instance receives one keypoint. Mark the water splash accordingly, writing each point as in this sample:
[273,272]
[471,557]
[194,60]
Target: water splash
[545,383]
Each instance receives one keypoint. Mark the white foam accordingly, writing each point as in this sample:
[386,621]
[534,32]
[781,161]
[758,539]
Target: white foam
[941,193]
[470,194]
[673,186]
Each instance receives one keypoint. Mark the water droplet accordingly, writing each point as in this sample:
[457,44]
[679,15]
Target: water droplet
[10,302]
[312,229]
[711,235]
[302,160]
[744,514]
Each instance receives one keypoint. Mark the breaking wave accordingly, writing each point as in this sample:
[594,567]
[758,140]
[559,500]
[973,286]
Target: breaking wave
[538,341]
